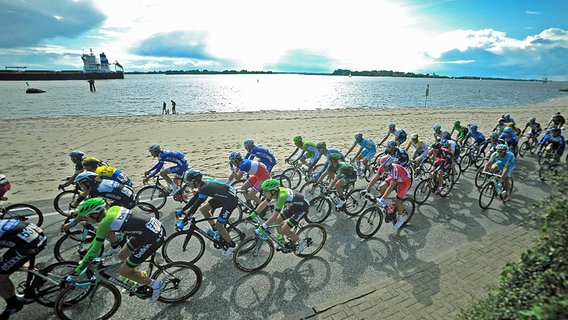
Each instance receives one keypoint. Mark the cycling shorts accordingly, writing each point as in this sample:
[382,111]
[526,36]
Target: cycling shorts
[501,164]
[145,244]
[368,154]
[257,179]
[401,187]
[294,213]
[178,170]
[227,206]
[30,240]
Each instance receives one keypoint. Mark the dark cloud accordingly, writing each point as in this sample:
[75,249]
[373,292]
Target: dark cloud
[303,61]
[28,23]
[177,44]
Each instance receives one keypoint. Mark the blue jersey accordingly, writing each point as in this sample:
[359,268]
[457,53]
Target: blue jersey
[366,144]
[478,137]
[175,157]
[263,155]
[510,140]
[250,166]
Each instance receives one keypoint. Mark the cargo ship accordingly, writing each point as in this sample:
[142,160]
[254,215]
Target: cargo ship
[94,68]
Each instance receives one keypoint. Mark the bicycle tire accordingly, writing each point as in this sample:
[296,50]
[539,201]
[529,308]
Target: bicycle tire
[355,203]
[73,245]
[448,183]
[465,163]
[47,292]
[182,279]
[183,246]
[422,191]
[101,302]
[369,222]
[487,195]
[480,178]
[319,210]
[152,194]
[148,209]
[523,148]
[253,254]
[315,235]
[295,177]
[23,212]
[62,202]
[311,189]
[479,160]
[284,180]
[408,209]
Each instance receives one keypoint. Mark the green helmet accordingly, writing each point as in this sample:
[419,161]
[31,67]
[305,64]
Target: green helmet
[270,184]
[297,139]
[335,156]
[457,123]
[92,205]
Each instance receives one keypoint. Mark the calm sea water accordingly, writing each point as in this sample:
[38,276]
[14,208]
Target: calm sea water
[144,94]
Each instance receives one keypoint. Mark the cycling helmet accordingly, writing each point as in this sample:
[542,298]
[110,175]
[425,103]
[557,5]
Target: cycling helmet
[76,154]
[392,125]
[457,123]
[90,206]
[508,130]
[86,176]
[297,139]
[437,127]
[506,116]
[235,155]
[473,128]
[249,143]
[358,136]
[192,175]
[386,161]
[557,113]
[437,146]
[154,148]
[414,136]
[444,142]
[334,156]
[90,162]
[532,119]
[501,147]
[321,145]
[501,120]
[494,134]
[270,184]
[391,143]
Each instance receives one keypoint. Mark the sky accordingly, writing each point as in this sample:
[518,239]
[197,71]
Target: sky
[516,39]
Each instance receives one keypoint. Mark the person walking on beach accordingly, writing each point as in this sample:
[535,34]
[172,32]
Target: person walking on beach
[164,107]
[173,107]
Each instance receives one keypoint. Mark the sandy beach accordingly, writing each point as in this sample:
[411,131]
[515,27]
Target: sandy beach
[35,151]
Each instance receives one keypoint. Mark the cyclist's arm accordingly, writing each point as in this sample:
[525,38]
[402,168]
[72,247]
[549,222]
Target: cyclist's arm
[95,247]
[155,169]
[292,154]
[194,203]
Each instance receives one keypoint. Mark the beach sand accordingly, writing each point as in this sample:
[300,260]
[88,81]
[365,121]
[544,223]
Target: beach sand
[35,151]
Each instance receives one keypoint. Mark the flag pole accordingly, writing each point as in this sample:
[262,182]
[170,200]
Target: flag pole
[427,94]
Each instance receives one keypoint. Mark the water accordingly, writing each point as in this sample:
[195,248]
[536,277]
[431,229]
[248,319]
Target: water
[144,94]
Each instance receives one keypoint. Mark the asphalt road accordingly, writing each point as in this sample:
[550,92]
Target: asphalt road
[289,284]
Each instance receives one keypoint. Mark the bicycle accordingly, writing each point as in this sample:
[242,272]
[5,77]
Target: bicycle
[471,156]
[23,212]
[371,220]
[426,186]
[493,188]
[63,200]
[529,145]
[157,193]
[99,298]
[189,244]
[254,253]
[320,206]
[548,170]
[296,173]
[364,172]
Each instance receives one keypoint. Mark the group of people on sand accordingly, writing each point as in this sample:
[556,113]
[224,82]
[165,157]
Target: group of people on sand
[165,110]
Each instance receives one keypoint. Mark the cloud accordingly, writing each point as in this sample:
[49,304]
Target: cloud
[299,60]
[27,23]
[176,44]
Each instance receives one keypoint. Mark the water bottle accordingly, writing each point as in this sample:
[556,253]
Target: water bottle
[280,238]
[499,186]
[211,233]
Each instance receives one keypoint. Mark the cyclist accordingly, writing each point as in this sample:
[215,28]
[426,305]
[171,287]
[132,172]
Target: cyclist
[104,171]
[24,241]
[504,161]
[477,136]
[421,149]
[286,218]
[76,157]
[535,130]
[4,187]
[508,119]
[399,154]
[461,130]
[442,164]
[144,235]
[501,124]
[220,196]
[492,142]
[257,174]
[343,174]
[455,151]
[516,130]
[397,178]
[557,121]
[119,193]
[554,142]
[309,151]
[264,155]
[326,152]
[366,151]
[511,139]
[399,134]
[176,157]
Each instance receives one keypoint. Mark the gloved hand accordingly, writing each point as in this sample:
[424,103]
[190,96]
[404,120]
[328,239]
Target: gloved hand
[62,185]
[382,202]
[179,213]
[74,204]
[72,278]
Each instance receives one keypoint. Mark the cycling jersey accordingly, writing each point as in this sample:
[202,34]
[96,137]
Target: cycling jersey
[119,193]
[455,149]
[308,151]
[501,161]
[399,135]
[462,131]
[257,172]
[178,158]
[478,137]
[24,241]
[400,156]
[401,176]
[558,120]
[368,146]
[558,143]
[4,185]
[346,172]
[297,208]
[263,155]
[510,139]
[421,148]
[329,152]
[222,196]
[443,159]
[110,173]
[535,129]
[144,234]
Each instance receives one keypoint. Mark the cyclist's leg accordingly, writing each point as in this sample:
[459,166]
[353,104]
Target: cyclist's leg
[139,249]
[224,215]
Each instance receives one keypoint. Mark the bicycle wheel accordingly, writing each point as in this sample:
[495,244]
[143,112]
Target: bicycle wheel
[465,163]
[23,212]
[284,180]
[253,254]
[182,279]
[48,292]
[62,202]
[315,235]
[408,208]
[355,203]
[73,245]
[152,194]
[448,183]
[479,160]
[320,208]
[311,189]
[422,191]
[369,222]
[101,302]
[523,148]
[183,246]
[487,195]
[480,178]
[147,208]
[295,177]
[545,173]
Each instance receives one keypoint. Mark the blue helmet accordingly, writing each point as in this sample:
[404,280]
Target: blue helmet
[508,130]
[192,175]
[249,143]
[501,147]
[155,148]
[235,155]
[473,128]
